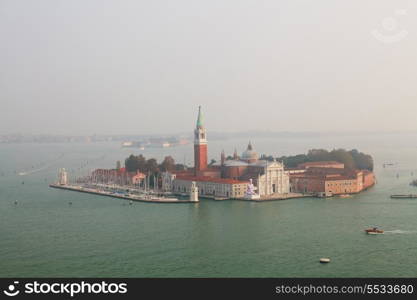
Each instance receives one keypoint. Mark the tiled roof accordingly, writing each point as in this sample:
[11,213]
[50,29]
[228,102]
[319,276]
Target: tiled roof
[210,179]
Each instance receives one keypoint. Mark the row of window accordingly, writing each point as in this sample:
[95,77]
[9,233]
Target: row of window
[339,184]
[212,189]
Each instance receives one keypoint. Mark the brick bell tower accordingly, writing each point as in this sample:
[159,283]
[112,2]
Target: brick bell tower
[200,145]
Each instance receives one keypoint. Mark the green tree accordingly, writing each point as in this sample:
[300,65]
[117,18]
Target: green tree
[168,164]
[152,166]
[318,155]
[141,163]
[180,167]
[293,161]
[352,159]
[344,157]
[266,157]
[135,163]
[362,160]
[131,163]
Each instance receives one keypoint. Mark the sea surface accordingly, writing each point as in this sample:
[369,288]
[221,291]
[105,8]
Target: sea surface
[41,235]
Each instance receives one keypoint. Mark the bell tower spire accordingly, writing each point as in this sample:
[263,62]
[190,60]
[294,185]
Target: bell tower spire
[199,118]
[200,145]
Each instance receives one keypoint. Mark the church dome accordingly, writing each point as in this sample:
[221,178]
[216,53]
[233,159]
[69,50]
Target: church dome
[250,154]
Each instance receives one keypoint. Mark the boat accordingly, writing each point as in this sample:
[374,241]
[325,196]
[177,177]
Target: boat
[374,230]
[324,260]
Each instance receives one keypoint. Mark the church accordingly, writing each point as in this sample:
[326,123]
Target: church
[230,178]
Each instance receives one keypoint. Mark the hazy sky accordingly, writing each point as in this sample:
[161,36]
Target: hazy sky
[84,66]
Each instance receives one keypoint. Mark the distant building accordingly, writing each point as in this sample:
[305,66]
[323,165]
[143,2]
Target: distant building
[325,181]
[211,187]
[62,177]
[136,178]
[117,176]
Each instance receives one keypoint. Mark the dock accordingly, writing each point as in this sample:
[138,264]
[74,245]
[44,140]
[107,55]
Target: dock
[410,196]
[131,197]
[277,197]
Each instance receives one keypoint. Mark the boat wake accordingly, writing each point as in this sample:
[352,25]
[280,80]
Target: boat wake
[398,231]
[42,166]
[24,173]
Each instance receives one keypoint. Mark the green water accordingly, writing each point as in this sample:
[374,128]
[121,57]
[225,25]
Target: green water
[99,236]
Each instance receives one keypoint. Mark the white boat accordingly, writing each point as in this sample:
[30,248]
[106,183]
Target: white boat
[324,260]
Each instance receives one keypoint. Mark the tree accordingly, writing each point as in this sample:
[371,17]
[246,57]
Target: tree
[131,163]
[344,157]
[266,157]
[318,155]
[135,163]
[362,160]
[351,159]
[168,164]
[212,162]
[293,161]
[151,166]
[180,167]
[141,163]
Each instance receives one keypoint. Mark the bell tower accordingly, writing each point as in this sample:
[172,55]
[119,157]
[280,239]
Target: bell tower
[200,145]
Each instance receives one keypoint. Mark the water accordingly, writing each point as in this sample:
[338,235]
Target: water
[42,235]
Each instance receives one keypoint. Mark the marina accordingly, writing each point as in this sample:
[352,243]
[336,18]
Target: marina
[126,196]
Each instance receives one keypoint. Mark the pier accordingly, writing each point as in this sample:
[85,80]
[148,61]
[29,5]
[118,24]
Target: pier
[277,197]
[410,196]
[125,196]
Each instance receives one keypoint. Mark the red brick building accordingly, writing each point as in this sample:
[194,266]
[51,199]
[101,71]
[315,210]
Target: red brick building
[327,181]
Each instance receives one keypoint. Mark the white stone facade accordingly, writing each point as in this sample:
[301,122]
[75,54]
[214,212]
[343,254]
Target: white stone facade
[274,180]
[62,177]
